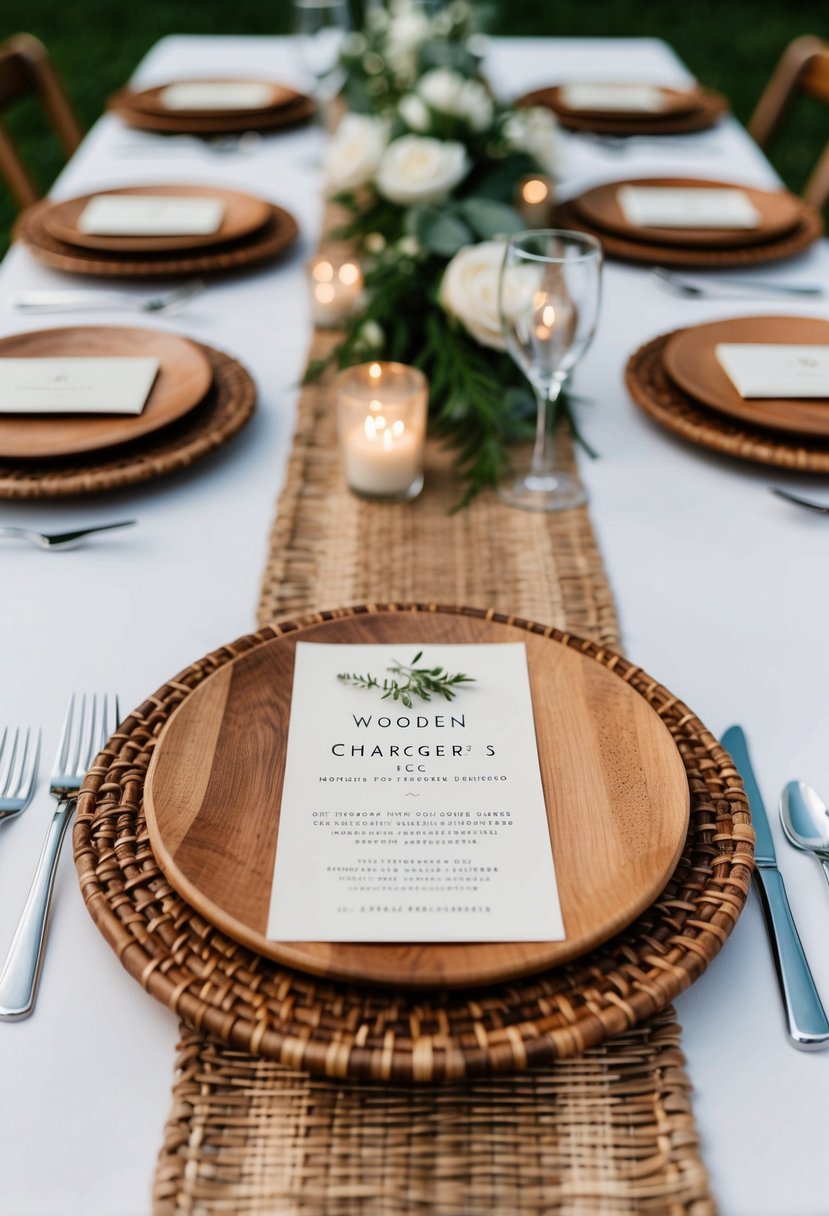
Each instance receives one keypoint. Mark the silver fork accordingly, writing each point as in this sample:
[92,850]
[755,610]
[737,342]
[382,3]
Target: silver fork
[809,503]
[70,300]
[719,288]
[60,540]
[19,757]
[88,724]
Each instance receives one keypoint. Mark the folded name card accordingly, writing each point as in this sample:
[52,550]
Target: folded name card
[687,207]
[217,95]
[150,215]
[76,386]
[763,370]
[413,823]
[648,99]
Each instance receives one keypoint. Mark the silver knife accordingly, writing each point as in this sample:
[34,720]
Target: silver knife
[808,1026]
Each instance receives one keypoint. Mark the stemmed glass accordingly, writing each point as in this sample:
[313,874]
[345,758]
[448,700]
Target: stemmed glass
[322,26]
[549,291]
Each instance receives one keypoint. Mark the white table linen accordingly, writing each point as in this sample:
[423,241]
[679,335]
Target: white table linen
[721,588]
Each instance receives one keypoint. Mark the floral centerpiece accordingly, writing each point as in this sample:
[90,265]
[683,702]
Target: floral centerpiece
[427,183]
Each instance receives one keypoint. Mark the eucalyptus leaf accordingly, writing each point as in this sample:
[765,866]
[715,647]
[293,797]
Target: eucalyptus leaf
[489,218]
[441,232]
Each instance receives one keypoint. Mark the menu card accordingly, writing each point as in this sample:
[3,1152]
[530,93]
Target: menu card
[647,98]
[217,95]
[413,823]
[76,386]
[687,207]
[775,370]
[150,215]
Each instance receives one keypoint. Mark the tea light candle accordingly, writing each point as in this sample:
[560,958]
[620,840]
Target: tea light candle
[382,425]
[534,200]
[336,286]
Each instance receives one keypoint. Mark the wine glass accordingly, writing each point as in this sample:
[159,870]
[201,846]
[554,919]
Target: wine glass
[549,291]
[322,26]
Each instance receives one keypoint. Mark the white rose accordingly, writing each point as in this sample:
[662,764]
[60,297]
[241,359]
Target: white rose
[407,30]
[450,93]
[469,291]
[414,113]
[355,151]
[534,129]
[414,169]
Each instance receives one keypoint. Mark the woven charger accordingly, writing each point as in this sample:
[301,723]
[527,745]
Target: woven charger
[265,243]
[337,1030]
[224,411]
[660,398]
[709,110]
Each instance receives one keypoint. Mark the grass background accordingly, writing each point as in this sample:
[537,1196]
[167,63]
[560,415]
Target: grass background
[730,45]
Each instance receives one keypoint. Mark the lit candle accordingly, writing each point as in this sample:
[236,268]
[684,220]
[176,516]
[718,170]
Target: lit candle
[382,425]
[534,200]
[336,287]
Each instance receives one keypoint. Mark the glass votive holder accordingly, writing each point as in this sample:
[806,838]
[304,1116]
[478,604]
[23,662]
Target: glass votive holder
[336,283]
[534,200]
[381,421]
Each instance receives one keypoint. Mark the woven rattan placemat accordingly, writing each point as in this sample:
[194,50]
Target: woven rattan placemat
[610,1130]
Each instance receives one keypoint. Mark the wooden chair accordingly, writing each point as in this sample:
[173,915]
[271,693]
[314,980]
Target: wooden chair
[803,69]
[26,71]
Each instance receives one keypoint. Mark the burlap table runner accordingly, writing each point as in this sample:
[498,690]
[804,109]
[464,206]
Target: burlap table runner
[611,1131]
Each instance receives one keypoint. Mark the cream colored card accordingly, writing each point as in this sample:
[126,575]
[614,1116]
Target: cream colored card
[150,215]
[76,386]
[644,98]
[421,823]
[687,207]
[217,95]
[772,370]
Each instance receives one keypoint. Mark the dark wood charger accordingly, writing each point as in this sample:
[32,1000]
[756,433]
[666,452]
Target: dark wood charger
[170,123]
[690,360]
[150,100]
[616,792]
[676,102]
[184,377]
[709,110]
[779,212]
[243,214]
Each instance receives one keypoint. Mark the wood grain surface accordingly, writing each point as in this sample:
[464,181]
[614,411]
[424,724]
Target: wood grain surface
[708,110]
[243,214]
[691,361]
[676,102]
[151,99]
[184,377]
[129,107]
[778,210]
[615,785]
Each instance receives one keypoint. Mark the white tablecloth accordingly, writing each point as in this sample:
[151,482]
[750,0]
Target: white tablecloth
[722,591]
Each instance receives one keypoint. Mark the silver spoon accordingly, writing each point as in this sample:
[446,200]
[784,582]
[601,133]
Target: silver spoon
[798,500]
[60,540]
[805,821]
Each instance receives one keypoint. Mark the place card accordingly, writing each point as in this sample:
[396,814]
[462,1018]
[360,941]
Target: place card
[687,207]
[76,386]
[423,822]
[150,215]
[217,95]
[629,98]
[775,370]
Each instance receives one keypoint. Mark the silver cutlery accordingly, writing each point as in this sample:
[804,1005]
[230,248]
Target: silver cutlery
[808,1026]
[88,724]
[19,757]
[220,145]
[60,540]
[800,501]
[681,286]
[667,143]
[85,301]
[805,819]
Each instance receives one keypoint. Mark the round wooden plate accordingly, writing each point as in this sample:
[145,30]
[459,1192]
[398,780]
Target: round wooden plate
[676,102]
[184,377]
[779,213]
[616,789]
[230,123]
[708,111]
[690,359]
[151,100]
[243,215]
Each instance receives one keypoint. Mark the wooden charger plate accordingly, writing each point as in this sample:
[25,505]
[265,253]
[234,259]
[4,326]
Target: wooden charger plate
[616,790]
[243,215]
[170,122]
[691,361]
[779,213]
[677,102]
[184,377]
[150,100]
[709,109]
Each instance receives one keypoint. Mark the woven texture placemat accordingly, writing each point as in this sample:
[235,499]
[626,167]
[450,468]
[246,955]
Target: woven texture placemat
[608,1131]
[227,407]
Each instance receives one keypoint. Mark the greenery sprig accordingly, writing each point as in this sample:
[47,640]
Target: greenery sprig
[408,680]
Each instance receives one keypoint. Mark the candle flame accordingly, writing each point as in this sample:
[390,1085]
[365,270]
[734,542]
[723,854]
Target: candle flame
[349,274]
[535,191]
[375,406]
[548,316]
[323,272]
[325,292]
[398,427]
[375,371]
